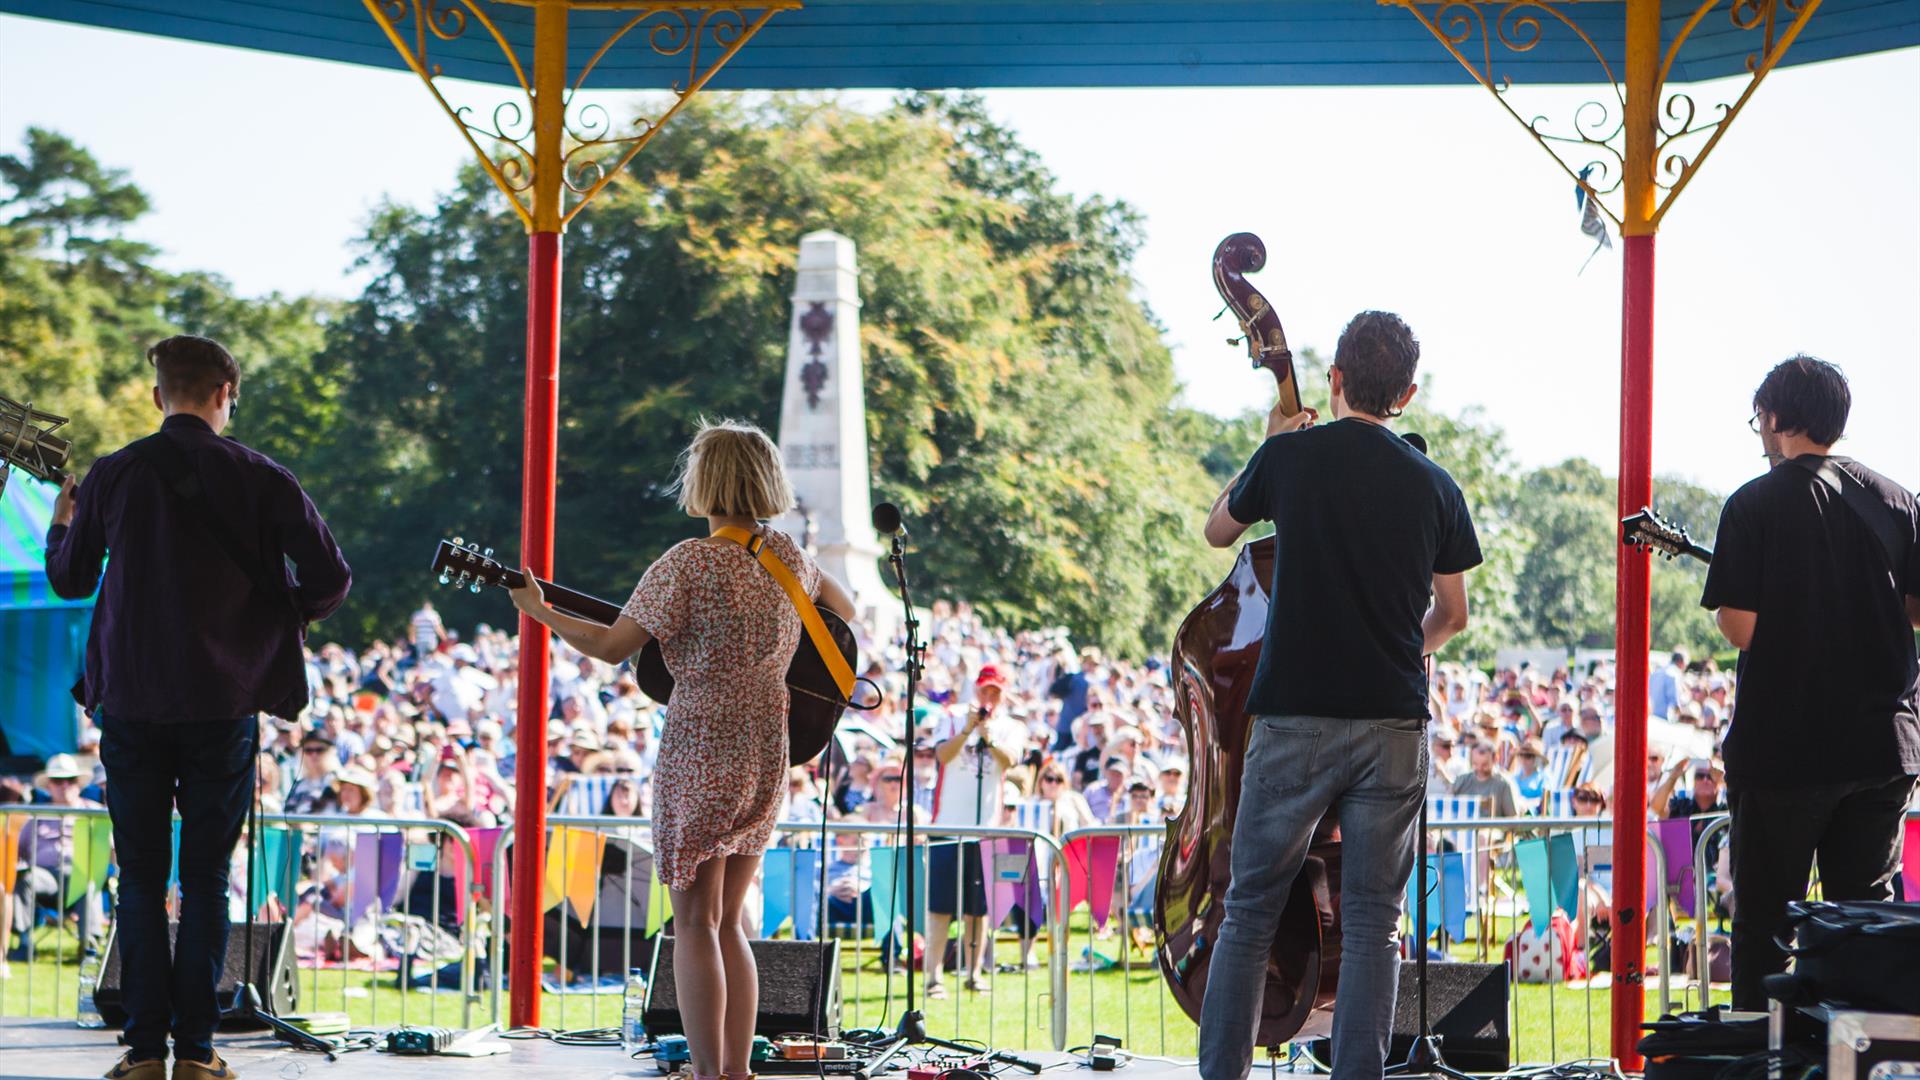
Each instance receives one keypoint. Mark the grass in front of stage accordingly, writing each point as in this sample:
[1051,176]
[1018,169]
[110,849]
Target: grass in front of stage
[1127,999]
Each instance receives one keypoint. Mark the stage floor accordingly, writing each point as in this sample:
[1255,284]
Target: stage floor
[56,1050]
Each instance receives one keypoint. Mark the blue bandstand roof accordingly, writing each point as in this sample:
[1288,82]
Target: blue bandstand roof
[933,44]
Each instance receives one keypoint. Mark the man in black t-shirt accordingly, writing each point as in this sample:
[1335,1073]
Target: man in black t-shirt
[1817,580]
[1366,530]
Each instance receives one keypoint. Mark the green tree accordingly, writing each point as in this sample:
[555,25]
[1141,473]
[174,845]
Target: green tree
[1021,403]
[1564,593]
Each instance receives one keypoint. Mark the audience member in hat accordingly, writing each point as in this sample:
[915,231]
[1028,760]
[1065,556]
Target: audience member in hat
[313,792]
[1108,799]
[975,747]
[46,860]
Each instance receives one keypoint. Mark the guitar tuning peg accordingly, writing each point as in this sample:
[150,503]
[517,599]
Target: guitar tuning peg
[444,579]
[475,587]
[457,542]
[488,554]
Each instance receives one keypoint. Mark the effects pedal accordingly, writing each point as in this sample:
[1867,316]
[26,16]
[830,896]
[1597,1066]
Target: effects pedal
[418,1041]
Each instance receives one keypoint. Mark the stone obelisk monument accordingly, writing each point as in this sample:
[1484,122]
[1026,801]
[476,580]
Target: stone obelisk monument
[823,426]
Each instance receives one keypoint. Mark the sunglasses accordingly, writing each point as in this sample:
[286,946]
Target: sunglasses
[1053,779]
[889,779]
[313,749]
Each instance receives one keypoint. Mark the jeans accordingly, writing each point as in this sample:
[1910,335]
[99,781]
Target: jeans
[1852,828]
[206,769]
[1371,774]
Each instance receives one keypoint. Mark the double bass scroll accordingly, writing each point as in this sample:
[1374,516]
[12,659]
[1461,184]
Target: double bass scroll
[1236,257]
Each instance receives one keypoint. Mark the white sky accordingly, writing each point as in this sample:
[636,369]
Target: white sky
[1802,232]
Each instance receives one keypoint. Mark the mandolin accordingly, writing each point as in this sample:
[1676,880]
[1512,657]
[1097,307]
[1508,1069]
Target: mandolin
[1647,529]
[814,705]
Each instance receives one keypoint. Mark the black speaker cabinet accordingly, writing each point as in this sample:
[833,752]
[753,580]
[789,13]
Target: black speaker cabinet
[272,973]
[1467,1004]
[799,988]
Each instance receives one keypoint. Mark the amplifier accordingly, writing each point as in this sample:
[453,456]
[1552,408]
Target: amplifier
[271,973]
[1467,1004]
[799,989]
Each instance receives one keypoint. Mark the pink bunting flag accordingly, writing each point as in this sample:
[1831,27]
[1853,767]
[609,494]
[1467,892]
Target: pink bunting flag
[1102,869]
[1910,876]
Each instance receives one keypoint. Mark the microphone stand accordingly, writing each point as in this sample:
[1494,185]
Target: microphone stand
[248,1004]
[1424,1057]
[912,1030]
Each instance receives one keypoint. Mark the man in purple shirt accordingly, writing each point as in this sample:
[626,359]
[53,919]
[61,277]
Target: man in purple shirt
[219,561]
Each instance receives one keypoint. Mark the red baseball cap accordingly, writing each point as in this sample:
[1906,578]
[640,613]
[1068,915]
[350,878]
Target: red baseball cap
[989,676]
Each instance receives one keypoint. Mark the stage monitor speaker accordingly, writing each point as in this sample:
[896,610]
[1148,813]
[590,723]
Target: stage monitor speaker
[272,973]
[799,988]
[1468,1006]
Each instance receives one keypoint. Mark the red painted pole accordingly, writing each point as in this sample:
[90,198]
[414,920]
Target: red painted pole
[1630,656]
[536,551]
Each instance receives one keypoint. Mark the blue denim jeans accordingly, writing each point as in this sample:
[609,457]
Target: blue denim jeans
[1370,774]
[207,770]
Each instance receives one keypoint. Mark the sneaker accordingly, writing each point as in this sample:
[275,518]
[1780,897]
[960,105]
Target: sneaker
[128,1069]
[216,1069]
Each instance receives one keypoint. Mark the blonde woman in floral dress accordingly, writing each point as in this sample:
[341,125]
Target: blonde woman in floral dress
[727,631]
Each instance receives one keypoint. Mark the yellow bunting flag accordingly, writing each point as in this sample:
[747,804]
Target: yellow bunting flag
[573,869]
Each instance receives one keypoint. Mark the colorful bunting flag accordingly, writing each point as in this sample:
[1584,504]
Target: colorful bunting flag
[889,889]
[790,887]
[1446,894]
[92,856]
[573,869]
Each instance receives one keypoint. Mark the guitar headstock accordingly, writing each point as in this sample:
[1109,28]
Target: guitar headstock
[1647,529]
[470,566]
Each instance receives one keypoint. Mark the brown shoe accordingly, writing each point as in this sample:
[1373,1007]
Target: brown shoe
[216,1069]
[128,1069]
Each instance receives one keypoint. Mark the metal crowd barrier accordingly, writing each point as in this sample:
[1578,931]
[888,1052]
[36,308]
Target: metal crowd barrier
[309,838]
[1702,886]
[628,887]
[1494,901]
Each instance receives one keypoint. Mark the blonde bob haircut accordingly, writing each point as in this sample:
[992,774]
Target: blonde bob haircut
[730,469]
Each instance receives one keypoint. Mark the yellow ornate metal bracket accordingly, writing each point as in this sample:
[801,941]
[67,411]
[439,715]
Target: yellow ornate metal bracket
[547,157]
[1605,140]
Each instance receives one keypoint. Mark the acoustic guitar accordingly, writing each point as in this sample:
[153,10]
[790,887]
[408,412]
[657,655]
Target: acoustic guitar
[814,705]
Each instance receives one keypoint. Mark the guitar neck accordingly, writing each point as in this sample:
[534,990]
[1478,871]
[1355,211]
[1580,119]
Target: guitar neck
[566,601]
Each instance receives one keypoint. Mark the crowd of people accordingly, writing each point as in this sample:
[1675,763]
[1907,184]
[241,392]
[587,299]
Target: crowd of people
[425,727]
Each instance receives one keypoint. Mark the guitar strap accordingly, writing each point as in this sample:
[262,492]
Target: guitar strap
[823,642]
[1872,513]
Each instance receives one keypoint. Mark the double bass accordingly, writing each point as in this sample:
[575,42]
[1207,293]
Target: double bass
[1214,656]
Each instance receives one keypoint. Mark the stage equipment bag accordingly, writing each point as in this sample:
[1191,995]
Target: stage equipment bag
[1858,954]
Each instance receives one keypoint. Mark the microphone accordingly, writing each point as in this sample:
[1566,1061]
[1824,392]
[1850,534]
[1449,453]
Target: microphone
[26,441]
[1416,440]
[886,520]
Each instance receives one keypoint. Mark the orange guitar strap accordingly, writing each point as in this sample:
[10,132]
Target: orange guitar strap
[823,642]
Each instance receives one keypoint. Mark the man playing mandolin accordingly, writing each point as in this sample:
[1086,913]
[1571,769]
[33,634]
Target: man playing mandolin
[1366,529]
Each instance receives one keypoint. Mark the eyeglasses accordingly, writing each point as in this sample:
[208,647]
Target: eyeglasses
[63,780]
[1586,798]
[1753,423]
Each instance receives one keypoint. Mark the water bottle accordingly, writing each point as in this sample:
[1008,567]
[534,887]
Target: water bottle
[633,1032]
[89,978]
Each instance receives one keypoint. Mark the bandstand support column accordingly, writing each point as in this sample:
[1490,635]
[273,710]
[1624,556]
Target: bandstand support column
[1631,599]
[536,502]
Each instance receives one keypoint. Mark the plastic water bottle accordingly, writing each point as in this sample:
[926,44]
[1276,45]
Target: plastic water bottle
[633,1032]
[89,978]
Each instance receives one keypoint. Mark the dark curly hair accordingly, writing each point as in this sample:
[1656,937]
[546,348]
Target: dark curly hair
[1377,356]
[1806,395]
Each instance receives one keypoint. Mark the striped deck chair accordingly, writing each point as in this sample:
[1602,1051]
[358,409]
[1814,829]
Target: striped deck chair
[1037,815]
[1556,802]
[1568,767]
[1450,808]
[582,795]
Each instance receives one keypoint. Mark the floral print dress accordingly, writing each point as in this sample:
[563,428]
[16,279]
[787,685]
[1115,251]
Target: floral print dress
[727,631]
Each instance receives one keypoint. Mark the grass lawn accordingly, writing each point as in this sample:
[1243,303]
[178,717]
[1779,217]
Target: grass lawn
[1555,1023]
